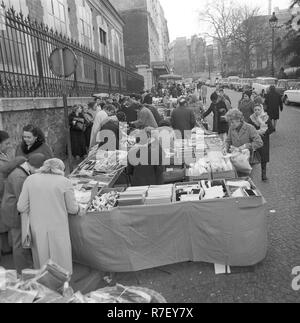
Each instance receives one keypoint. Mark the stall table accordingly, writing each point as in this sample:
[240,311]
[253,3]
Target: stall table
[231,231]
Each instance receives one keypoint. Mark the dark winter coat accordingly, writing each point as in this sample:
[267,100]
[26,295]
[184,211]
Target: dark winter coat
[37,148]
[220,125]
[183,119]
[273,104]
[265,150]
[151,174]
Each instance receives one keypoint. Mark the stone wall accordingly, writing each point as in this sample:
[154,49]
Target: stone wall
[45,113]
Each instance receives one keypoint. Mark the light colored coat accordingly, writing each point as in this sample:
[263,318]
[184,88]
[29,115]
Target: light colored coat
[247,135]
[48,199]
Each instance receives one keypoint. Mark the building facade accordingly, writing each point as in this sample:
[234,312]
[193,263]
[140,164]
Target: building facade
[93,29]
[94,24]
[188,56]
[146,38]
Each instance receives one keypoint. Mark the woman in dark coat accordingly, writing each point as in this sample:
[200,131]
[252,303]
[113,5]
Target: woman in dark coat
[273,104]
[262,123]
[34,142]
[89,121]
[77,128]
[219,109]
[150,171]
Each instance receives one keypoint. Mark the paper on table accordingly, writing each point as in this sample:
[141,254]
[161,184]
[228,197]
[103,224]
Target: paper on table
[221,269]
[241,184]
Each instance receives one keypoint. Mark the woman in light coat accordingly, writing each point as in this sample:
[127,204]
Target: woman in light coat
[48,197]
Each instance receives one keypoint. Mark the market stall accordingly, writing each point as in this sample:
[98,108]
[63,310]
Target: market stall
[208,216]
[229,230]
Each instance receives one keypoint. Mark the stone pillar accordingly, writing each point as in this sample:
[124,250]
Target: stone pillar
[147,73]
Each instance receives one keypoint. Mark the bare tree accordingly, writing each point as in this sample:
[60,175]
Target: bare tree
[217,14]
[248,33]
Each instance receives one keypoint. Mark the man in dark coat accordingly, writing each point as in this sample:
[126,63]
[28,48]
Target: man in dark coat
[183,118]
[273,105]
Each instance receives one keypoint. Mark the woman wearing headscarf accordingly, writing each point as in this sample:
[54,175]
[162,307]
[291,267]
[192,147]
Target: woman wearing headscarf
[273,105]
[78,125]
[246,106]
[262,123]
[48,197]
[7,165]
[33,142]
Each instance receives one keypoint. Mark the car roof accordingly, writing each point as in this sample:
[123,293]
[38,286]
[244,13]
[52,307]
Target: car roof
[266,78]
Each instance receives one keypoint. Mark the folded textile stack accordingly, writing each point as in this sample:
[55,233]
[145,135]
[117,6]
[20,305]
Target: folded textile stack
[159,195]
[133,196]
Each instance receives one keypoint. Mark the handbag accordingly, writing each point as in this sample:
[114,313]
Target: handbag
[81,126]
[255,158]
[26,232]
[240,161]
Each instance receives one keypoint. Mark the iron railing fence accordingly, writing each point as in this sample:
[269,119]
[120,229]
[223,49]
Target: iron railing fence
[25,47]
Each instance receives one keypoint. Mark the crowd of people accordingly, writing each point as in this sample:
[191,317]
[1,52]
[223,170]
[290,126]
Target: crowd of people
[249,125]
[33,171]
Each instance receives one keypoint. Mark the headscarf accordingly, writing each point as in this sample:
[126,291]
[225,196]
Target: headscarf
[262,119]
[53,166]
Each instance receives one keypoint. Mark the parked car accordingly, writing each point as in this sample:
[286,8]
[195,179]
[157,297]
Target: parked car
[262,84]
[245,85]
[225,83]
[292,96]
[232,81]
[285,85]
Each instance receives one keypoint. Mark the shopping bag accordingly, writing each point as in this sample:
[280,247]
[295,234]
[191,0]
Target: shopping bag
[26,232]
[255,158]
[240,161]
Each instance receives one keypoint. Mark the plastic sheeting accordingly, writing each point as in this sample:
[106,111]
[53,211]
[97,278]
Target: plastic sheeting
[232,232]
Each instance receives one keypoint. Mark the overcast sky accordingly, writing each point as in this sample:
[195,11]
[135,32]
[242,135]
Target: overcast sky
[182,15]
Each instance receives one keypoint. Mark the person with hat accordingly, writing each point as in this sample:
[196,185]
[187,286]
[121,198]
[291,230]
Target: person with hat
[10,215]
[48,197]
[246,106]
[183,119]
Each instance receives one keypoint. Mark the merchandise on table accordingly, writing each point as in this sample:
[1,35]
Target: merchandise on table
[104,202]
[103,162]
[242,188]
[221,166]
[201,191]
[199,170]
[133,196]
[160,195]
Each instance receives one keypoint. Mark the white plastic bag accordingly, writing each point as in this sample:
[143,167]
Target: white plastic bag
[240,161]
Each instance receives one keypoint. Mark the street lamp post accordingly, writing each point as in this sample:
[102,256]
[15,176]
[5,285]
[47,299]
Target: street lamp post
[273,24]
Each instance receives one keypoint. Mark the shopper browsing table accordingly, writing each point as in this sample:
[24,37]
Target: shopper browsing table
[48,197]
[241,135]
[183,118]
[145,118]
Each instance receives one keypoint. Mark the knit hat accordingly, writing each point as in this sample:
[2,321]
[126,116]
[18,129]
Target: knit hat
[249,93]
[37,160]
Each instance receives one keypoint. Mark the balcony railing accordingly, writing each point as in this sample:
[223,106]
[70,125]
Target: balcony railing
[25,47]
